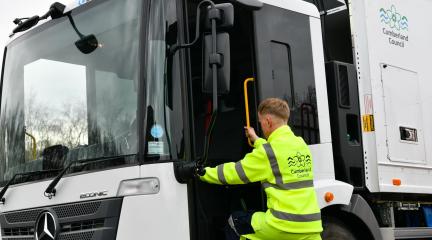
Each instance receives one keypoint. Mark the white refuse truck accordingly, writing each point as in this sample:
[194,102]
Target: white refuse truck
[107,107]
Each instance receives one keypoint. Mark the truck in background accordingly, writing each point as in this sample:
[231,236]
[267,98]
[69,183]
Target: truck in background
[107,108]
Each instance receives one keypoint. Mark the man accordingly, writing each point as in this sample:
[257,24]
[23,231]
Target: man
[283,165]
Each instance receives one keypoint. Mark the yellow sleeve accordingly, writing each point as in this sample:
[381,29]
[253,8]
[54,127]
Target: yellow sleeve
[259,142]
[254,167]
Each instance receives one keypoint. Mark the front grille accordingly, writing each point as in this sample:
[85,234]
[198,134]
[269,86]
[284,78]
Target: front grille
[24,216]
[65,211]
[78,209]
[78,221]
[23,231]
[19,238]
[85,225]
[76,236]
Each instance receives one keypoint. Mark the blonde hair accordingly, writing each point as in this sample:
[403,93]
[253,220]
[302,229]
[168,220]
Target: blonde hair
[276,107]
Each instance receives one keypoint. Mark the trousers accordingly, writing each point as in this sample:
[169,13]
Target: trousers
[252,226]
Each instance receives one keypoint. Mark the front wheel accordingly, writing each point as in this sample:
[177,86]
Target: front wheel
[336,229]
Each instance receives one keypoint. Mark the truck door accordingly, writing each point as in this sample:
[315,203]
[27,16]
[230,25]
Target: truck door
[285,66]
[214,203]
[403,115]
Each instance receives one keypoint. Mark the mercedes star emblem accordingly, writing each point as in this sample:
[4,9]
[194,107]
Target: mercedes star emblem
[46,227]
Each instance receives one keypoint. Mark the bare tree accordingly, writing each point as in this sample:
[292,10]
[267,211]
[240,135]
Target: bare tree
[52,125]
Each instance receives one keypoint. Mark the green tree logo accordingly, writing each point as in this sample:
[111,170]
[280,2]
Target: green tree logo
[393,19]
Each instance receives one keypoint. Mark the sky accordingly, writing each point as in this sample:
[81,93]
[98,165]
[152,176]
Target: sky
[11,9]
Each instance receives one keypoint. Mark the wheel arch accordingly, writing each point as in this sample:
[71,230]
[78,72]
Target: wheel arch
[357,215]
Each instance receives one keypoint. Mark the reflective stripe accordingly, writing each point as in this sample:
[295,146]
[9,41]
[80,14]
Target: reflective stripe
[232,225]
[273,163]
[221,175]
[241,173]
[296,217]
[290,186]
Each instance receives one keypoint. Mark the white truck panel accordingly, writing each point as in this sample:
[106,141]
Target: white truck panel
[69,189]
[320,81]
[342,192]
[160,216]
[408,99]
[143,214]
[360,44]
[322,155]
[395,33]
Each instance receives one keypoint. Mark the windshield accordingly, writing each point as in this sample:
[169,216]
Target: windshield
[59,104]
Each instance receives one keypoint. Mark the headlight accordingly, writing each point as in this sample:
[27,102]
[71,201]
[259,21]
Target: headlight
[140,186]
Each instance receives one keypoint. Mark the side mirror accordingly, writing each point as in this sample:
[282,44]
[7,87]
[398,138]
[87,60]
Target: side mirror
[87,44]
[223,61]
[226,17]
[56,10]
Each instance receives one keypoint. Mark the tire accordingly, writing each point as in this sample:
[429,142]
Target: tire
[336,229]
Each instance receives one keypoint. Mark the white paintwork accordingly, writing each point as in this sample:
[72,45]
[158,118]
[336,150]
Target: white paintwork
[148,215]
[361,45]
[372,49]
[414,178]
[69,188]
[296,6]
[322,155]
[401,91]
[342,192]
[320,80]
[160,216]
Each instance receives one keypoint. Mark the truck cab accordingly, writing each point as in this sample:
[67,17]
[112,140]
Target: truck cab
[104,106]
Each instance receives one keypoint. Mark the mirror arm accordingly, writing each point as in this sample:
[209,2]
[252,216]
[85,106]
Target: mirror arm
[175,47]
[72,22]
[56,11]
[215,62]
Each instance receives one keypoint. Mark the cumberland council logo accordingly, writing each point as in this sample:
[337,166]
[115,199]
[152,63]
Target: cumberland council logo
[395,26]
[393,19]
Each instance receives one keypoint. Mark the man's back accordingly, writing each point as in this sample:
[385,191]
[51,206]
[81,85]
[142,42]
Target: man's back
[290,195]
[283,165]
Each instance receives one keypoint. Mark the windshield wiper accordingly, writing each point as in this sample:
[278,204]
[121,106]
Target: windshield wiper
[5,188]
[50,191]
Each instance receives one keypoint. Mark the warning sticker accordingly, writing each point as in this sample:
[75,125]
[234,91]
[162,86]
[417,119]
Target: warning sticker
[368,123]
[156,148]
[368,104]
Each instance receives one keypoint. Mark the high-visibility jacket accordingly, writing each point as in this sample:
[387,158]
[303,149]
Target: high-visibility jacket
[283,165]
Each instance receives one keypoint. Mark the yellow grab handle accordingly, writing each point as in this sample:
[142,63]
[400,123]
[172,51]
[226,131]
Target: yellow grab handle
[245,89]
[34,148]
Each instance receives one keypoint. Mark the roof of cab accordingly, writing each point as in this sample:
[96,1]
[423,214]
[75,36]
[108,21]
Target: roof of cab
[70,5]
[299,6]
